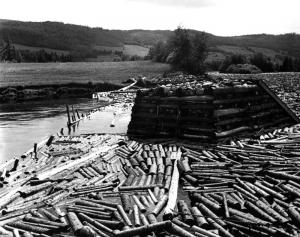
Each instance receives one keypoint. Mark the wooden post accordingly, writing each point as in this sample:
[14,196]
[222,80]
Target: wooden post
[77,114]
[3,175]
[73,112]
[68,113]
[35,150]
[50,140]
[112,124]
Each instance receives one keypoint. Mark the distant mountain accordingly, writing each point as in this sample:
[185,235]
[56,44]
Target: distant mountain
[74,38]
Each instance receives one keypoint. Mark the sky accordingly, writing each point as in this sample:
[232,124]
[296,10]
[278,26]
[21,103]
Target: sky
[219,17]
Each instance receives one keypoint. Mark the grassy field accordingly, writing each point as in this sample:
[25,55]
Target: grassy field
[108,48]
[127,49]
[135,50]
[14,74]
[219,52]
[235,50]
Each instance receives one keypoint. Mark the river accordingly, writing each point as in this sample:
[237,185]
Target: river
[23,124]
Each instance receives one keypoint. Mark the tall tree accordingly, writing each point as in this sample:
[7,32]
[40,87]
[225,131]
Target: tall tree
[184,50]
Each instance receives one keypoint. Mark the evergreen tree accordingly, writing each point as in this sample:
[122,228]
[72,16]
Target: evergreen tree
[262,62]
[287,65]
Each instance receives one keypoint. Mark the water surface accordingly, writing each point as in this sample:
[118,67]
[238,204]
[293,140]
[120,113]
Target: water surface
[26,123]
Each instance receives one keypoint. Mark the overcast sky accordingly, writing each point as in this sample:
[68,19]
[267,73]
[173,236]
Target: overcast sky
[220,17]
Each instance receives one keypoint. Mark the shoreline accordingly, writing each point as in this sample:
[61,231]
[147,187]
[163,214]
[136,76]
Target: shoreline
[14,94]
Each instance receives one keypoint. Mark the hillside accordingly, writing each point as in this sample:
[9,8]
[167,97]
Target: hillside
[92,42]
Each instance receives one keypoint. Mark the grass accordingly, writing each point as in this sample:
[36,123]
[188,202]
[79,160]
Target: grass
[219,52]
[215,56]
[132,50]
[235,50]
[26,74]
[128,49]
[108,48]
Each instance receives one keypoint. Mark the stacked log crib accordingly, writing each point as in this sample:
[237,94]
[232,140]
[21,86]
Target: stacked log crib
[208,111]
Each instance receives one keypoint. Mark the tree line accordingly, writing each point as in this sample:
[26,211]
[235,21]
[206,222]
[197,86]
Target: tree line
[262,62]
[187,50]
[9,53]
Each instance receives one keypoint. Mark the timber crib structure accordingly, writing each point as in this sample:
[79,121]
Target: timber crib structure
[208,111]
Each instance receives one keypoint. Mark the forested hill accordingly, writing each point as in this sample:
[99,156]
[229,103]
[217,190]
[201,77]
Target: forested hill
[76,38]
[57,35]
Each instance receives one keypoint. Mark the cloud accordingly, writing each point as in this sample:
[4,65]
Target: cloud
[179,3]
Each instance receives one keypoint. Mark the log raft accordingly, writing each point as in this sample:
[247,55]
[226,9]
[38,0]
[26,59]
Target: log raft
[115,185]
[246,186]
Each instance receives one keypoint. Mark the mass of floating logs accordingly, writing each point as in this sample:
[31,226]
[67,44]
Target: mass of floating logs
[108,185]
[125,94]
[208,111]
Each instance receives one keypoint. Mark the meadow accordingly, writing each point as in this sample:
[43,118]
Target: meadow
[137,50]
[27,74]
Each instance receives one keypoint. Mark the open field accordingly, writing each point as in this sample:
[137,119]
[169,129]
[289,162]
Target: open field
[219,52]
[109,48]
[82,72]
[135,50]
[128,49]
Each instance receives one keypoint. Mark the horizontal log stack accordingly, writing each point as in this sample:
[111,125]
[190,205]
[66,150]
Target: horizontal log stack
[285,85]
[121,187]
[208,111]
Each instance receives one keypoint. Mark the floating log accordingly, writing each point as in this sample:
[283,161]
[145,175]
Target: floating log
[160,205]
[169,209]
[147,229]
[97,224]
[74,222]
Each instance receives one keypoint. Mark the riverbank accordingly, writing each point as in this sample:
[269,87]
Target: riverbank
[40,81]
[51,91]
